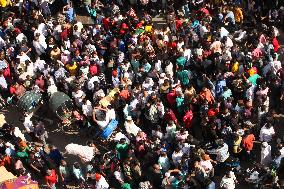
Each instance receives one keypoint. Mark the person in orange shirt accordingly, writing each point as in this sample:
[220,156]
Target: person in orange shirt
[238,13]
[124,94]
[248,140]
[206,94]
[5,161]
[21,143]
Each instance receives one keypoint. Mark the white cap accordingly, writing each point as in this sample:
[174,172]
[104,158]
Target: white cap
[264,144]
[162,75]
[8,144]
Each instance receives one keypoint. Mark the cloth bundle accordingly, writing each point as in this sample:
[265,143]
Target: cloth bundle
[85,152]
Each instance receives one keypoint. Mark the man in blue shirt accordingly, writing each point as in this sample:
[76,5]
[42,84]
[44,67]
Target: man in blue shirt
[69,13]
[230,17]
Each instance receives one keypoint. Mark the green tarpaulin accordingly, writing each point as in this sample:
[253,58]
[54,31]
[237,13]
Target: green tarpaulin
[57,100]
[29,101]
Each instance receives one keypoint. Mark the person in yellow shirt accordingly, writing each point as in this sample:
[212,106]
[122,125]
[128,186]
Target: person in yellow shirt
[3,7]
[149,28]
[72,67]
[239,17]
[235,67]
[3,3]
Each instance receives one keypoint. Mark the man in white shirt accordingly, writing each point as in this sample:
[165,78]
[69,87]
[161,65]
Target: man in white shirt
[42,29]
[148,84]
[187,55]
[39,46]
[39,65]
[2,43]
[23,57]
[130,126]
[229,181]
[176,156]
[101,182]
[250,92]
[87,108]
[102,123]
[78,95]
[275,65]
[28,124]
[3,82]
[266,133]
[20,37]
[222,152]
[118,136]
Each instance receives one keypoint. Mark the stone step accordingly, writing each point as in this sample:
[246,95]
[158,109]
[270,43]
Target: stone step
[85,19]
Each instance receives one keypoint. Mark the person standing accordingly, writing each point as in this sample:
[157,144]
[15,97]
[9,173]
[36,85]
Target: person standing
[229,181]
[265,154]
[28,124]
[69,13]
[101,182]
[266,133]
[247,142]
[78,174]
[40,132]
[51,179]
[64,172]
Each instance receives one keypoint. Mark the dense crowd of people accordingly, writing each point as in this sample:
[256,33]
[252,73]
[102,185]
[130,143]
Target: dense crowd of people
[195,98]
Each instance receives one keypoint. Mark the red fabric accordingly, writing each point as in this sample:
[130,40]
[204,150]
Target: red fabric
[213,112]
[124,26]
[7,72]
[172,45]
[204,10]
[93,70]
[40,83]
[171,97]
[114,73]
[6,161]
[178,24]
[121,31]
[106,22]
[98,176]
[17,31]
[124,94]
[64,34]
[170,116]
[187,119]
[139,25]
[275,44]
[12,90]
[52,179]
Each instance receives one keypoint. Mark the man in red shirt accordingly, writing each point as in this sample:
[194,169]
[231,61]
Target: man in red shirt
[275,44]
[51,179]
[40,83]
[170,116]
